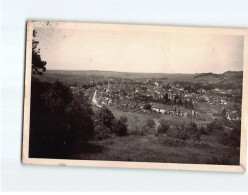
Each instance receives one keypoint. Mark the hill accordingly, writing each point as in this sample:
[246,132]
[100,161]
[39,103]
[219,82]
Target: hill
[71,77]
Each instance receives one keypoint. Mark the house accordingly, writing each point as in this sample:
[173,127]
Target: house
[233,115]
[223,101]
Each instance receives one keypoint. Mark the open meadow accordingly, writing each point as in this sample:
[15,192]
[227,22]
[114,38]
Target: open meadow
[147,145]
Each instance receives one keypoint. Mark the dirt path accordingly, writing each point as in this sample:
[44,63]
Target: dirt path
[94,100]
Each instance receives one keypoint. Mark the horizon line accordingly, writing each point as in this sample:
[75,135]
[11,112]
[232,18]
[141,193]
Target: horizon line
[144,72]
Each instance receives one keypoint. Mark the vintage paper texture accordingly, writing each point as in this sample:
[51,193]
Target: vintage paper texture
[129,28]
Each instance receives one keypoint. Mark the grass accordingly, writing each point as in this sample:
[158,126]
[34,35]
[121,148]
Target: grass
[141,146]
[151,148]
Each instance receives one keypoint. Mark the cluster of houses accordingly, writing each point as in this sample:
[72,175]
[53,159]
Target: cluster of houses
[132,95]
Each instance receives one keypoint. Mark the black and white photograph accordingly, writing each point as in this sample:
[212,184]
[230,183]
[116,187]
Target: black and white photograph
[134,94]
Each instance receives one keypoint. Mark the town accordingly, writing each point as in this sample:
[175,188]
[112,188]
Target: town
[180,99]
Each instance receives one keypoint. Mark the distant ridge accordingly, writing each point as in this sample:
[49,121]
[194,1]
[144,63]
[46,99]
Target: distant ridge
[111,71]
[210,74]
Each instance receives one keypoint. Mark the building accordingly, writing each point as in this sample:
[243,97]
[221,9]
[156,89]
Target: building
[92,82]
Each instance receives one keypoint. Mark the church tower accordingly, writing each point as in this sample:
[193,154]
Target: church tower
[92,82]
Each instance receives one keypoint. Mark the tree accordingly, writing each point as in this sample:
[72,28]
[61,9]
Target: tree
[106,124]
[223,114]
[56,119]
[104,116]
[180,102]
[166,97]
[38,65]
[176,98]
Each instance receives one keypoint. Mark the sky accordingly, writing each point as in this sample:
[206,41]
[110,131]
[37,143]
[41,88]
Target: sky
[140,51]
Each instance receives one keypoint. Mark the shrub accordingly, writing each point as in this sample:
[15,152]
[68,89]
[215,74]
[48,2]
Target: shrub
[235,137]
[104,116]
[149,126]
[185,132]
[150,123]
[173,142]
[106,124]
[163,127]
[180,132]
[147,106]
[123,119]
[214,125]
[202,130]
[192,130]
[101,131]
[232,139]
[119,127]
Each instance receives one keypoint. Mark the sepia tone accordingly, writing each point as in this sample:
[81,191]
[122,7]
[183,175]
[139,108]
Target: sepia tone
[135,96]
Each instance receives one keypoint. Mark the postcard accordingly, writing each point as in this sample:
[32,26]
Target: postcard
[135,96]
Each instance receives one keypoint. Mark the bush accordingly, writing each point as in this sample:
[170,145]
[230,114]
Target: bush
[104,116]
[185,132]
[149,126]
[147,106]
[232,139]
[119,127]
[173,142]
[192,127]
[163,127]
[123,119]
[150,123]
[203,130]
[214,125]
[106,124]
[101,131]
[179,132]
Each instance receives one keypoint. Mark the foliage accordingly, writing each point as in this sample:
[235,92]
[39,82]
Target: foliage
[150,123]
[163,127]
[123,119]
[119,127]
[232,139]
[38,65]
[101,131]
[106,124]
[166,97]
[104,116]
[147,106]
[215,125]
[56,119]
[185,131]
[223,114]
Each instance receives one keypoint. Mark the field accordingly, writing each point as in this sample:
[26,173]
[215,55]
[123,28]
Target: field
[142,146]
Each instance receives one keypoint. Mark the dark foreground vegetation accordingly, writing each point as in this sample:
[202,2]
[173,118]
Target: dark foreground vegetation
[59,118]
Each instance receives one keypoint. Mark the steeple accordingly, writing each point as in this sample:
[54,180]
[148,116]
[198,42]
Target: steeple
[92,82]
